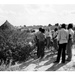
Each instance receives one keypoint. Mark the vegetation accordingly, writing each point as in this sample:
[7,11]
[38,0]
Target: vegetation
[14,44]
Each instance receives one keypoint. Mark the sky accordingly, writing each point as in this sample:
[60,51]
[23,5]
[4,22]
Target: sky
[37,14]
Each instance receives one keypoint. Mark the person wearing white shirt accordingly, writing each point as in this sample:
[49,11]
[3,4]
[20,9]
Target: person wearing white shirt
[63,40]
[48,38]
[55,42]
[70,42]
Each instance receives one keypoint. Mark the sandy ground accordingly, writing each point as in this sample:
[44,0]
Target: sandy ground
[46,64]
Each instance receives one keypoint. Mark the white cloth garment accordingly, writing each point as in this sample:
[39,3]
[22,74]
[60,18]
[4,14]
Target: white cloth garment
[70,31]
[62,36]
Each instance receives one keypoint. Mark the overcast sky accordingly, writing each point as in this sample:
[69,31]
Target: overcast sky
[35,14]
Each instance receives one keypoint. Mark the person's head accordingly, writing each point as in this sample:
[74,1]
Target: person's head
[70,26]
[59,27]
[52,31]
[56,29]
[40,29]
[43,30]
[63,26]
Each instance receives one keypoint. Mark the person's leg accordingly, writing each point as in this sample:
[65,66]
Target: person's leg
[42,50]
[66,51]
[69,51]
[38,50]
[42,53]
[55,44]
[63,53]
[59,53]
[48,42]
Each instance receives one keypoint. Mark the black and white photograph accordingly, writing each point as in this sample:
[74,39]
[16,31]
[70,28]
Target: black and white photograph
[37,37]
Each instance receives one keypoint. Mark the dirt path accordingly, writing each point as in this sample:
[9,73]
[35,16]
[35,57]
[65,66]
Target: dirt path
[47,64]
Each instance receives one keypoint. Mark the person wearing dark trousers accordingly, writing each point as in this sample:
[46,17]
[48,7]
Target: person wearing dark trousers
[62,48]
[63,39]
[40,43]
[70,42]
[40,50]
[69,50]
[55,42]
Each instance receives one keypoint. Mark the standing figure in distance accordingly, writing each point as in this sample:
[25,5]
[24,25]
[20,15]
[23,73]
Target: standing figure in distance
[40,43]
[63,40]
[70,42]
[55,42]
[47,35]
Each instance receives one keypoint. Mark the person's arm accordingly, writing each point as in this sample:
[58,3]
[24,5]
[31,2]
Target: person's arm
[58,37]
[70,35]
[67,35]
[35,39]
[55,36]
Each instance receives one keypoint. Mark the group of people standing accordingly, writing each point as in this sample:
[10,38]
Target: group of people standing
[62,41]
[65,39]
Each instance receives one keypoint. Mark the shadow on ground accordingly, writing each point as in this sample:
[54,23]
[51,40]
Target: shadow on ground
[47,61]
[56,66]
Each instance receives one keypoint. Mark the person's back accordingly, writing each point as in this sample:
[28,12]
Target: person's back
[63,36]
[40,39]
[63,40]
[40,36]
[55,33]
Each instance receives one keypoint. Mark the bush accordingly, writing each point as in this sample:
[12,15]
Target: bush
[16,47]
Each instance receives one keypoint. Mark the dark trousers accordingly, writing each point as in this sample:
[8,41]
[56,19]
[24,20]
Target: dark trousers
[48,42]
[61,51]
[69,49]
[55,44]
[40,49]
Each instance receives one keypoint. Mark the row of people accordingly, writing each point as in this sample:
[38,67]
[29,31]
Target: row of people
[65,39]
[62,41]
[43,39]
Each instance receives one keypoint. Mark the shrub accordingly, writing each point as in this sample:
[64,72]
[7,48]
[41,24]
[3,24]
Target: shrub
[16,47]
